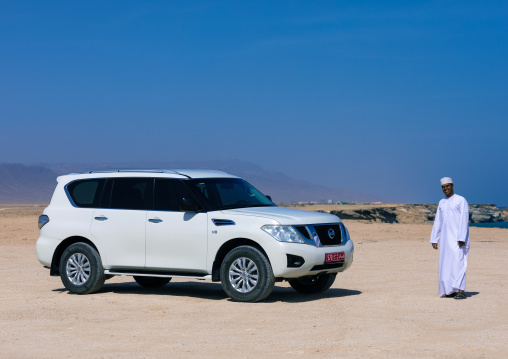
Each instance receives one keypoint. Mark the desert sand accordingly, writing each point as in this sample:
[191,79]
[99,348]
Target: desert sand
[385,306]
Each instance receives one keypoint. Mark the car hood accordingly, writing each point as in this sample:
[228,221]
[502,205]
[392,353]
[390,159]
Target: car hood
[285,215]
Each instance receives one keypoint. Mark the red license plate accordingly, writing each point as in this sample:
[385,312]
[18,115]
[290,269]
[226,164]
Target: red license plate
[334,257]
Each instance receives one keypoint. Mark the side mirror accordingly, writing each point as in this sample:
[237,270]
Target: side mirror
[188,204]
[270,198]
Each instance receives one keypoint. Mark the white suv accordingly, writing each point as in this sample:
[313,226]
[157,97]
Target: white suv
[159,224]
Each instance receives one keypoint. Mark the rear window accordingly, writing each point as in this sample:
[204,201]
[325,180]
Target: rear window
[86,193]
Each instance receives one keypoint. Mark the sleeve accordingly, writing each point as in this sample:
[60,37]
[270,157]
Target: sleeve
[436,228]
[463,221]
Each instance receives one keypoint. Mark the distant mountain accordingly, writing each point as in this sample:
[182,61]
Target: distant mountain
[26,184]
[35,184]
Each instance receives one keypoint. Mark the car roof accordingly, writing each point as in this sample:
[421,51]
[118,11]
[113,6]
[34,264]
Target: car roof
[161,173]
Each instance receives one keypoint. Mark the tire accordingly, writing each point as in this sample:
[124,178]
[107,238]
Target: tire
[152,282]
[313,284]
[81,269]
[246,275]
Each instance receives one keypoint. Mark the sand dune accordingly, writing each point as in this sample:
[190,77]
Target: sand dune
[385,306]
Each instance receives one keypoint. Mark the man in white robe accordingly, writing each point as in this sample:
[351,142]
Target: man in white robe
[451,231]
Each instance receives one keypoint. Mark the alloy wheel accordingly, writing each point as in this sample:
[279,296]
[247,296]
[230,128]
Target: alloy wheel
[78,269]
[243,274]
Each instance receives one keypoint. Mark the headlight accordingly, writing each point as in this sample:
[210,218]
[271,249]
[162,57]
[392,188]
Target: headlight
[283,233]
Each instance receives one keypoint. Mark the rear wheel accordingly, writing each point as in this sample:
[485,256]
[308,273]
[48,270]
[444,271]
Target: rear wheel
[313,284]
[246,275]
[152,282]
[81,269]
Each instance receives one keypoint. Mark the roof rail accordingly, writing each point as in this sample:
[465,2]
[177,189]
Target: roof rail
[181,174]
[133,170]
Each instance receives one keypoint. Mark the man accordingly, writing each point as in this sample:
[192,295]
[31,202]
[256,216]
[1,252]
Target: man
[451,231]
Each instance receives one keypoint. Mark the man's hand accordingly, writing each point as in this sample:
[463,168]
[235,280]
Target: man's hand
[462,244]
[434,245]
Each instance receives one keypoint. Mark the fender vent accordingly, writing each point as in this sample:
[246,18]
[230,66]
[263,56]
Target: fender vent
[223,222]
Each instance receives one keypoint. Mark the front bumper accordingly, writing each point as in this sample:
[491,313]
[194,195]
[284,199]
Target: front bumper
[314,259]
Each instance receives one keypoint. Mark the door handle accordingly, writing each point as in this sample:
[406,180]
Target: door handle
[155,220]
[101,218]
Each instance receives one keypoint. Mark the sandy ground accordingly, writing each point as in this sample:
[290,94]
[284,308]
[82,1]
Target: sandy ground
[385,306]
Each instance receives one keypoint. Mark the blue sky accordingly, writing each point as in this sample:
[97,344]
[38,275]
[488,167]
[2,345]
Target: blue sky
[381,97]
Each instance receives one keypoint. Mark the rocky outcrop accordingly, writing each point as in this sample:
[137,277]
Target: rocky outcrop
[384,215]
[418,213]
[487,213]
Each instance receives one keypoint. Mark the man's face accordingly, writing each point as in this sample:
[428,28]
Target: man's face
[448,189]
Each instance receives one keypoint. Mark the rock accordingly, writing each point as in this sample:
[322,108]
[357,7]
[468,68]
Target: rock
[419,213]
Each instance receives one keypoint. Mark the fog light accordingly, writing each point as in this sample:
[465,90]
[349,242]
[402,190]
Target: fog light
[295,261]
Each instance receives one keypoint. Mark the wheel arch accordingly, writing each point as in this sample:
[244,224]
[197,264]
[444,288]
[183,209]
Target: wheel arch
[228,247]
[66,243]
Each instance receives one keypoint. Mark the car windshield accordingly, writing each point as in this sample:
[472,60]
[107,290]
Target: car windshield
[228,193]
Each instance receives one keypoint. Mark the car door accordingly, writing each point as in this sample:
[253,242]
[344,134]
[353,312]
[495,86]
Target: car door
[119,227]
[175,239]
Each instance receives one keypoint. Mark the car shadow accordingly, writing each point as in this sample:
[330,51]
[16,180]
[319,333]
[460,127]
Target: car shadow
[214,291]
[289,295]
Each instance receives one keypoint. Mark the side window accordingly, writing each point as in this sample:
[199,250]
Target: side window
[168,194]
[232,193]
[182,191]
[209,191]
[86,193]
[132,193]
[165,195]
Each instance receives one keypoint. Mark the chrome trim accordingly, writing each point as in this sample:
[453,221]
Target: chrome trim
[307,240]
[43,219]
[169,275]
[223,222]
[310,241]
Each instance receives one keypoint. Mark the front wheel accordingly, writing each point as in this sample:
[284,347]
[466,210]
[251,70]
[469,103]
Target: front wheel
[246,275]
[81,269]
[152,282]
[313,284]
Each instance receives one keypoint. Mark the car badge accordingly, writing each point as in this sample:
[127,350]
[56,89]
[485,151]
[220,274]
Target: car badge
[331,233]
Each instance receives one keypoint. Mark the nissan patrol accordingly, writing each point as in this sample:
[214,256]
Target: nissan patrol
[158,224]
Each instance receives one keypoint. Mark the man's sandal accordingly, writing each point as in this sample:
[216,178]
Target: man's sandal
[451,295]
[460,295]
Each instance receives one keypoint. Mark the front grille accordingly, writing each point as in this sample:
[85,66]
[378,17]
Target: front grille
[324,237]
[303,230]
